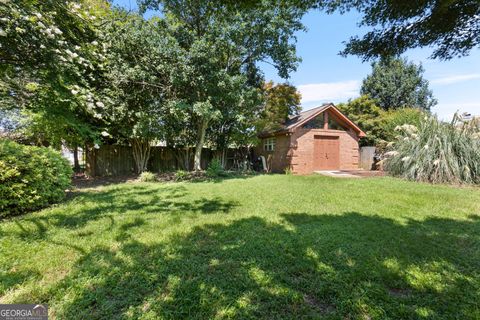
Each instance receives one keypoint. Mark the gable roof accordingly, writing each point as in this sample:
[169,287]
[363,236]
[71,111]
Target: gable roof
[296,121]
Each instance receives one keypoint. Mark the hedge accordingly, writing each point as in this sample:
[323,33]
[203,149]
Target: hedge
[30,177]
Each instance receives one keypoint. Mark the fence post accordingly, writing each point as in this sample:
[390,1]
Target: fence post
[90,159]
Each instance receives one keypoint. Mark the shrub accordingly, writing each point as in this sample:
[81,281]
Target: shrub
[390,120]
[437,152]
[365,113]
[30,177]
[215,169]
[181,175]
[379,125]
[147,176]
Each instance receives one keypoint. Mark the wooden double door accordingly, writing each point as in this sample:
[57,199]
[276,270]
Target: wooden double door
[326,153]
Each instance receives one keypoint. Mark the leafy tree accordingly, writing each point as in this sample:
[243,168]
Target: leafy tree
[43,44]
[364,112]
[140,59]
[396,83]
[50,64]
[234,129]
[222,45]
[179,133]
[281,101]
[451,27]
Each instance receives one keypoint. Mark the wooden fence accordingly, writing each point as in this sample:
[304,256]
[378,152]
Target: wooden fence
[116,160]
[366,157]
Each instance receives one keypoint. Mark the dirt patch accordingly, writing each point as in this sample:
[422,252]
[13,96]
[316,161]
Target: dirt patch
[81,181]
[322,307]
[399,293]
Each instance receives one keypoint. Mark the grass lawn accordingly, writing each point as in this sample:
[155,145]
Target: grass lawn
[273,247]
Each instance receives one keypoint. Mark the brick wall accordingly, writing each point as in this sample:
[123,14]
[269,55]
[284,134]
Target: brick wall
[302,146]
[296,151]
[278,159]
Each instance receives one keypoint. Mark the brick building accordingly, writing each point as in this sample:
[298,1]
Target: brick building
[317,139]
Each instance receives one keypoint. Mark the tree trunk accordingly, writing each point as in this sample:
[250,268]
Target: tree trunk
[202,128]
[183,158]
[223,159]
[141,153]
[76,163]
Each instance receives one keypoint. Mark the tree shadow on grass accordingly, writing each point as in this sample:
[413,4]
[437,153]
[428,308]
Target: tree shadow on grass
[10,279]
[348,266]
[90,206]
[228,175]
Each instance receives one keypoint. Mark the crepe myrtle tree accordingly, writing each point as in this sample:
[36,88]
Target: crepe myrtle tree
[224,102]
[199,85]
[145,130]
[141,59]
[236,129]
[51,62]
[221,43]
[179,133]
[210,93]
[206,113]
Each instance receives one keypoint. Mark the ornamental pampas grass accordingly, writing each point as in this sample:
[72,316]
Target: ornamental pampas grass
[437,152]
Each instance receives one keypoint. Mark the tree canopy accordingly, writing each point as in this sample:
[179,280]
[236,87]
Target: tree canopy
[50,64]
[364,112]
[83,71]
[221,45]
[378,124]
[397,83]
[140,61]
[282,100]
[452,28]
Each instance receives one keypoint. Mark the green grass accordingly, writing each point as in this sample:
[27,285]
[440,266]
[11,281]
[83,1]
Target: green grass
[273,247]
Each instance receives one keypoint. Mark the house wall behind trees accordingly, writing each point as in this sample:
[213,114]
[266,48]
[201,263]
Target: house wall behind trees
[117,160]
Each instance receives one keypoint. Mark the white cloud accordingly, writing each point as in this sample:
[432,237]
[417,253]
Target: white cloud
[456,78]
[329,91]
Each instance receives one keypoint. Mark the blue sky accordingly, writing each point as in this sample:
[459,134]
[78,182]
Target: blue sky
[324,76]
